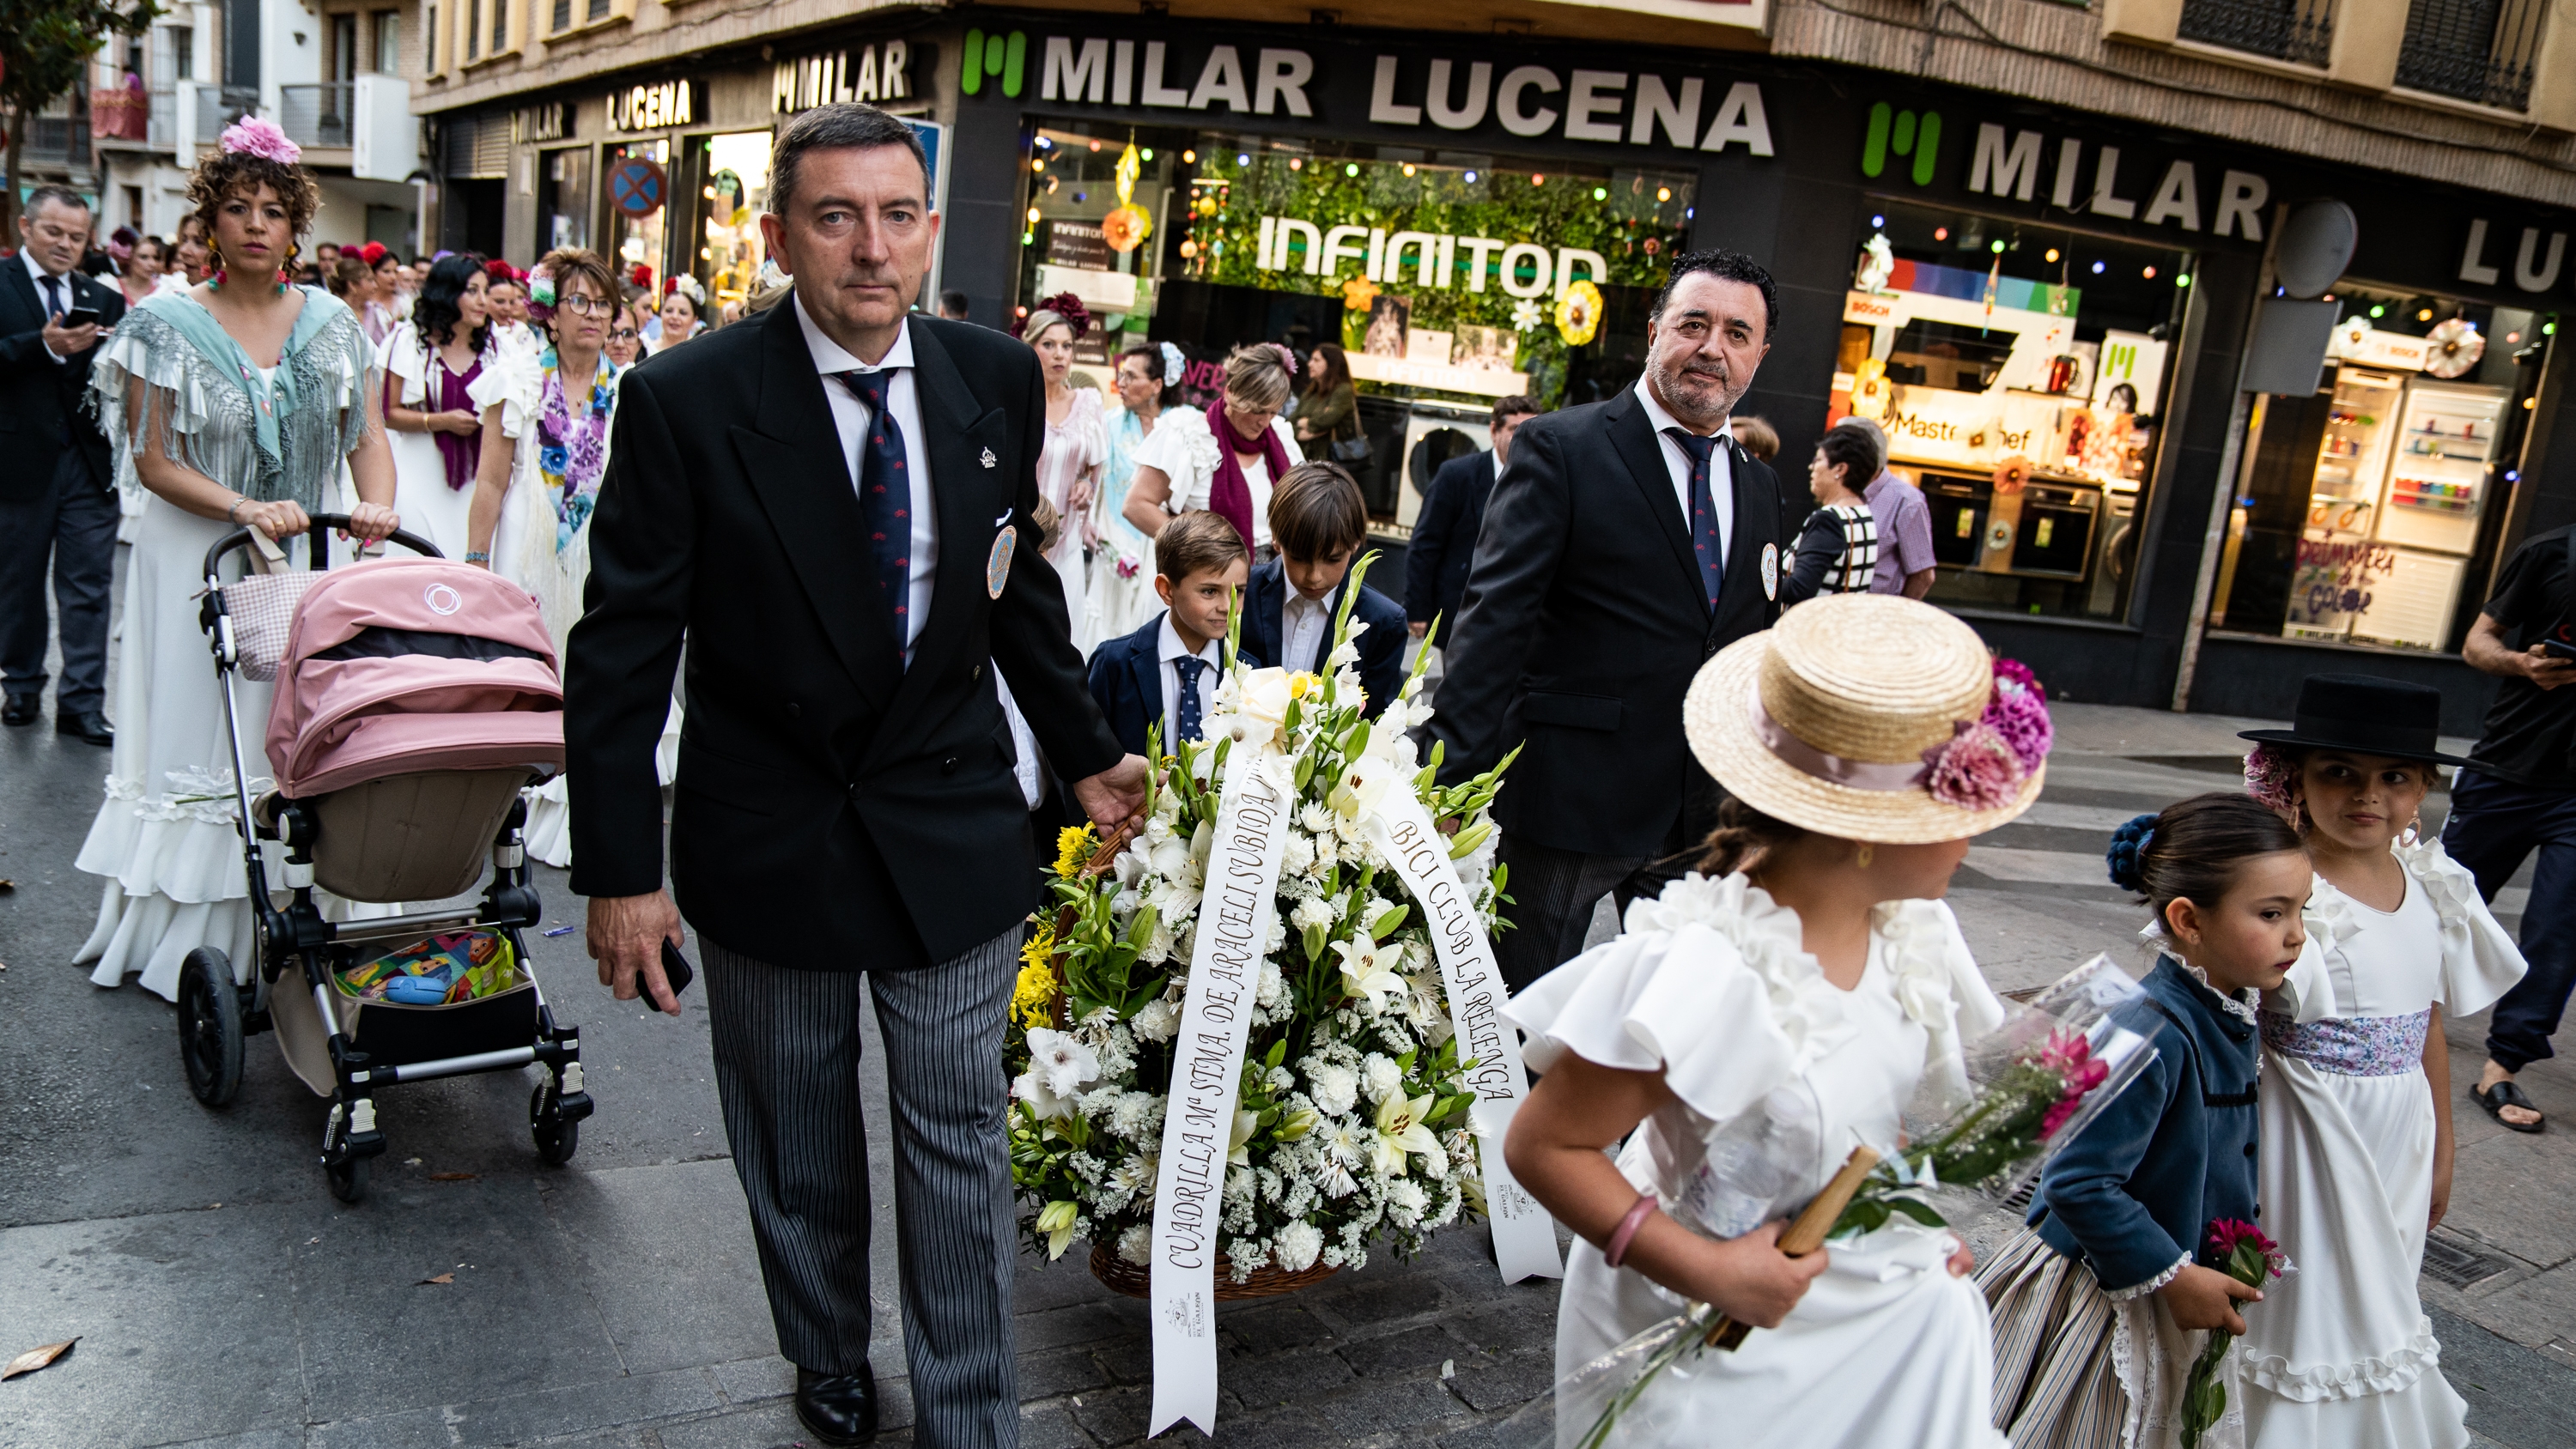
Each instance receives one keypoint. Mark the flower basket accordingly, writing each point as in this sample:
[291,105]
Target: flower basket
[1267,1281]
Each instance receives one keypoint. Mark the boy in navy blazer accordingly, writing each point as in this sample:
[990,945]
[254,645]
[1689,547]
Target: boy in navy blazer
[1319,520]
[1165,673]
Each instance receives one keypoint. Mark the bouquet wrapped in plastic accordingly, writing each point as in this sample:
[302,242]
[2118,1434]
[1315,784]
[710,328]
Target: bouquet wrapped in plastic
[2028,1088]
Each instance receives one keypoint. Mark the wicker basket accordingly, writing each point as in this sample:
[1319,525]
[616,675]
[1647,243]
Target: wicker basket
[1266,1281]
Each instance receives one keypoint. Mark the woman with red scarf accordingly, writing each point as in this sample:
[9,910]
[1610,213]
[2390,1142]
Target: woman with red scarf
[1225,459]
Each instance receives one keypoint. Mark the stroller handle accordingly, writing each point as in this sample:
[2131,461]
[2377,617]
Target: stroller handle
[241,537]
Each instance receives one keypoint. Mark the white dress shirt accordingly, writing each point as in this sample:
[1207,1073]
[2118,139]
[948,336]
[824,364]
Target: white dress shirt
[1170,648]
[64,299]
[850,418]
[1721,470]
[1302,625]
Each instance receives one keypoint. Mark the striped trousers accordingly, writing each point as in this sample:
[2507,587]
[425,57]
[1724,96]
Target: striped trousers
[787,1069]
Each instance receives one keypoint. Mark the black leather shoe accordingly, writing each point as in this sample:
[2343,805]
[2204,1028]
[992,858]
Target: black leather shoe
[90,725]
[22,709]
[838,1409]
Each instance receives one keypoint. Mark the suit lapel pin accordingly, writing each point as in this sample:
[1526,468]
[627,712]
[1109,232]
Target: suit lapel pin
[988,460]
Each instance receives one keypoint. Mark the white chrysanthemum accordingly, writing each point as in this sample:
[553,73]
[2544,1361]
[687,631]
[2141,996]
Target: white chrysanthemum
[1314,817]
[1297,1246]
[1278,936]
[1406,1195]
[1157,947]
[1138,1116]
[1272,992]
[1312,914]
[1334,1088]
[1298,854]
[1157,1021]
[1380,1078]
[1136,1245]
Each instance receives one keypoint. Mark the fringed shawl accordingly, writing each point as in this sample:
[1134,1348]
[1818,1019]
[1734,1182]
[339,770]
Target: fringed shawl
[283,441]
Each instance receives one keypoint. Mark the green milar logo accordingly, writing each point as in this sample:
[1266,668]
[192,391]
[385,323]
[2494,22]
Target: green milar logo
[994,55]
[1891,131]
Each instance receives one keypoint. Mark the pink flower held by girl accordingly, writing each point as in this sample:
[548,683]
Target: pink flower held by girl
[259,136]
[2070,1055]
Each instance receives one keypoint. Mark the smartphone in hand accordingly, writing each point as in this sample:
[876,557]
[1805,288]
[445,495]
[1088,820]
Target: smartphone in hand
[675,972]
[81,317]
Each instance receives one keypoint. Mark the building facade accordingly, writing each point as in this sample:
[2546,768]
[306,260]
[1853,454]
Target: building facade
[2048,259]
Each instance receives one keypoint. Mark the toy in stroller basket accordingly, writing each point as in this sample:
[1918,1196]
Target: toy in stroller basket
[415,698]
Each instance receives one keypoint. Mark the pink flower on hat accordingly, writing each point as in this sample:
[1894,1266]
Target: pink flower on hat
[1976,769]
[259,136]
[2018,711]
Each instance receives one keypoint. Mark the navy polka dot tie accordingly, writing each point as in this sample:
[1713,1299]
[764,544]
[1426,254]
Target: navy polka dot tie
[885,497]
[1707,545]
[1185,715]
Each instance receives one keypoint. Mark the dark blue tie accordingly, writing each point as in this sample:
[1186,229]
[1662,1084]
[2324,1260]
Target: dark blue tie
[885,497]
[1186,717]
[1707,544]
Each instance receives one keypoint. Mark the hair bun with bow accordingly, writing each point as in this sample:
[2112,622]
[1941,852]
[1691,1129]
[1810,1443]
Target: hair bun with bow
[2128,850]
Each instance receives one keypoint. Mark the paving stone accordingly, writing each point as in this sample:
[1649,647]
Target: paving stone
[1077,1323]
[1059,1371]
[1409,1350]
[1269,1327]
[1050,1426]
[1506,1382]
[754,1380]
[1262,1380]
[519,1418]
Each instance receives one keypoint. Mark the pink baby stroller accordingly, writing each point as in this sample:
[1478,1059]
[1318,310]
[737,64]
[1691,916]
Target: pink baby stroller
[414,699]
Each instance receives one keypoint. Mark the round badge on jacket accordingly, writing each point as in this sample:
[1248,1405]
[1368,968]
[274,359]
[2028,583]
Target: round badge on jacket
[997,566]
[1771,571]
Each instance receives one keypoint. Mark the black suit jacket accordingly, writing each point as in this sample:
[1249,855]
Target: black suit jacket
[1381,648]
[1583,627]
[43,402]
[835,809]
[1444,542]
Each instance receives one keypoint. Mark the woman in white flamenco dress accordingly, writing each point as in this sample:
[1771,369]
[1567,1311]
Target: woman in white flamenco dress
[222,427]
[2343,1354]
[1746,1032]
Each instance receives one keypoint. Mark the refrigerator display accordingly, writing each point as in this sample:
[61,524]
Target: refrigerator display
[2410,604]
[2354,454]
[2437,479]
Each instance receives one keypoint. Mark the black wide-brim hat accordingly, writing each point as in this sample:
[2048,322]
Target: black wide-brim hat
[2366,715]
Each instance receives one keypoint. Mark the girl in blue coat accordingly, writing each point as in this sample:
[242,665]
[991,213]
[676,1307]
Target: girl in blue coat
[2099,1302]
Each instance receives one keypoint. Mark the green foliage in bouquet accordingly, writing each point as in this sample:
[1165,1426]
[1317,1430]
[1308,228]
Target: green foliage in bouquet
[1353,1115]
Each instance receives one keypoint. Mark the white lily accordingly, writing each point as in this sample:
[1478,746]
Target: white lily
[1239,1147]
[1369,970]
[1061,1060]
[1363,781]
[1057,1220]
[1263,706]
[1399,1131]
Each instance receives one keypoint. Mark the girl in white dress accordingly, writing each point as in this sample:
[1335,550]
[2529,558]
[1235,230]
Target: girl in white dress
[1122,561]
[443,388]
[1815,978]
[2356,1102]
[1183,466]
[233,404]
[1069,465]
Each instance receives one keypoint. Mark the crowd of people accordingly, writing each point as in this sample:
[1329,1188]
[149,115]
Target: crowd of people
[829,520]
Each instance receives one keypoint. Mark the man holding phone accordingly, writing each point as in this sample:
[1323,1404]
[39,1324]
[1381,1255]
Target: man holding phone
[2517,795]
[58,495]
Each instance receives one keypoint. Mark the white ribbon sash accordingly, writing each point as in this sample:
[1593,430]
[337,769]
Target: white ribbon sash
[1236,907]
[1524,1233]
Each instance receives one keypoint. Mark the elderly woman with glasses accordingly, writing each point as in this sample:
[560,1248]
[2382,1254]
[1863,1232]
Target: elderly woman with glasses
[1225,459]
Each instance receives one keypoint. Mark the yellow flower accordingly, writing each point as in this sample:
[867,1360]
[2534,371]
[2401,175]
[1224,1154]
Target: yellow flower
[1303,684]
[1033,994]
[1073,849]
[1578,313]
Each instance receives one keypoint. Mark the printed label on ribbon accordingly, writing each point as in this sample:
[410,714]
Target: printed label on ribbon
[1524,1234]
[1236,908]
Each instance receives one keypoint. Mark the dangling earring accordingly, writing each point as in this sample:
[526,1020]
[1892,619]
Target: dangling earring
[1867,853]
[215,279]
[284,268]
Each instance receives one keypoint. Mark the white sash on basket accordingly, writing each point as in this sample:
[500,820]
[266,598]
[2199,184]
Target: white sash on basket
[1524,1233]
[1236,907]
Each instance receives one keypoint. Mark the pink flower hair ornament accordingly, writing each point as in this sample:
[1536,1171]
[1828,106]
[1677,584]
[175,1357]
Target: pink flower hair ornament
[1984,764]
[260,136]
[2270,771]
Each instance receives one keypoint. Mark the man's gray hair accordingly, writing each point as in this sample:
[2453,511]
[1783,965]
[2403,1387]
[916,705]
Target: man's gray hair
[37,198]
[851,127]
[1876,435]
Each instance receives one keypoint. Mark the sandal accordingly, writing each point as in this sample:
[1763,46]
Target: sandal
[2506,1094]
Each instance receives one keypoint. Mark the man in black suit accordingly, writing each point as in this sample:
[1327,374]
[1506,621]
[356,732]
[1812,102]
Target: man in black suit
[1626,543]
[833,503]
[1444,533]
[58,490]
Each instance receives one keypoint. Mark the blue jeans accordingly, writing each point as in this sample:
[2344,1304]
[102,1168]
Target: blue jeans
[2494,825]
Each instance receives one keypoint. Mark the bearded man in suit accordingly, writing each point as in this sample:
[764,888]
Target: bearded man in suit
[833,503]
[1625,544]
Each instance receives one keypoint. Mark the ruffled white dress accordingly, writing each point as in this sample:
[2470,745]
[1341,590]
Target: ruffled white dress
[429,508]
[2342,1353]
[1074,448]
[1709,983]
[1186,451]
[1122,564]
[166,837]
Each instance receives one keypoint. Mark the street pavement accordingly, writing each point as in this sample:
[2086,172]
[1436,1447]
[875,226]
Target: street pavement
[222,1298]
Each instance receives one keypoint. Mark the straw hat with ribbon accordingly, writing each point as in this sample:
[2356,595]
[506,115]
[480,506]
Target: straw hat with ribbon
[1872,717]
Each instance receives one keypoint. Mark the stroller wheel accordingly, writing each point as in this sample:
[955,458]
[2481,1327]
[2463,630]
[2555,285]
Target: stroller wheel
[348,1178]
[557,1137]
[210,1026]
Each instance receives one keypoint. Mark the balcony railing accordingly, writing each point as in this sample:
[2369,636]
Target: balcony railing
[316,115]
[120,114]
[49,142]
[2473,50]
[2298,31]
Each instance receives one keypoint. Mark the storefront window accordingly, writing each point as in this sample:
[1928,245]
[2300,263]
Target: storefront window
[2020,373]
[2368,512]
[729,184]
[1450,279]
[563,199]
